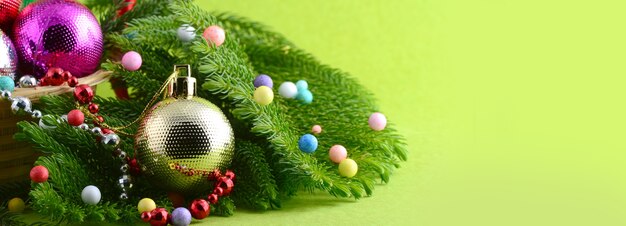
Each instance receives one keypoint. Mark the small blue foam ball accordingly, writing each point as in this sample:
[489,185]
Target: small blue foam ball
[181,217]
[305,96]
[263,80]
[302,85]
[307,143]
[7,84]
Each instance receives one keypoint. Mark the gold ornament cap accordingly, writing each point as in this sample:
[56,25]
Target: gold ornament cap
[182,87]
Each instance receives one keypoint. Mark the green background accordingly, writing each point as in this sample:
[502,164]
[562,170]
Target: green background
[513,110]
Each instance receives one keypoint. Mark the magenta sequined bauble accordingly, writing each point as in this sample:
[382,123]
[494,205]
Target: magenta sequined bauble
[8,58]
[57,33]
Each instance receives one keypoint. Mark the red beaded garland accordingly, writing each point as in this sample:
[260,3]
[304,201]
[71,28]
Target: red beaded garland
[230,174]
[54,76]
[219,191]
[199,209]
[160,217]
[39,174]
[75,117]
[94,108]
[226,184]
[213,198]
[145,216]
[83,94]
[72,82]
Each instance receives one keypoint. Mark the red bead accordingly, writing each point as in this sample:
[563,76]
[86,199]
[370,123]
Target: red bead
[230,174]
[67,75]
[100,119]
[94,108]
[199,209]
[145,216]
[39,174]
[213,198]
[135,170]
[54,76]
[176,198]
[72,82]
[226,184]
[106,131]
[75,117]
[160,217]
[218,191]
[83,94]
[43,82]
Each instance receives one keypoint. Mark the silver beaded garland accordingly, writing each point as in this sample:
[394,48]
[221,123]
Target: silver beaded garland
[36,114]
[5,94]
[84,126]
[27,81]
[97,131]
[20,103]
[110,140]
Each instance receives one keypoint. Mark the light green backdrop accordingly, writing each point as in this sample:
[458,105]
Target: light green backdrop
[513,110]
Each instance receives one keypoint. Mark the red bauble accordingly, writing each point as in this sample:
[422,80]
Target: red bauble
[83,94]
[226,184]
[159,217]
[39,174]
[145,216]
[99,119]
[9,9]
[213,198]
[54,76]
[75,117]
[105,130]
[177,199]
[199,209]
[94,108]
[72,82]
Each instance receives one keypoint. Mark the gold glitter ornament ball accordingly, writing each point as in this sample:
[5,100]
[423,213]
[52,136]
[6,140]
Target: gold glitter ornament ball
[182,139]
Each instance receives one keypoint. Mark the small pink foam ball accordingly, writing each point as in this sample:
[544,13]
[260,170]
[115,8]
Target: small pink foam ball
[131,61]
[337,153]
[317,129]
[377,121]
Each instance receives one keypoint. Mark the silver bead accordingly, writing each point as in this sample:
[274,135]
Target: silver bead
[5,94]
[122,156]
[20,103]
[125,182]
[124,196]
[36,114]
[83,126]
[124,168]
[27,81]
[97,130]
[110,140]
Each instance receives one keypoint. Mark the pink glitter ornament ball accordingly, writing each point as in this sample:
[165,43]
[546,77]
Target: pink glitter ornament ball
[57,33]
[131,61]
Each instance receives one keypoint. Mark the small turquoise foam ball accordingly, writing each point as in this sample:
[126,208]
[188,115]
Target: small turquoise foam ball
[305,96]
[181,217]
[307,143]
[302,85]
[7,84]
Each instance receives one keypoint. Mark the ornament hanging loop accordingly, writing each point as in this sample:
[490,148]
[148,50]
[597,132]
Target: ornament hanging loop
[182,87]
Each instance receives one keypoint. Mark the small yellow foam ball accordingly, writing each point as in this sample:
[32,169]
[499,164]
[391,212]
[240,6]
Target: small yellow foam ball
[263,95]
[348,168]
[16,205]
[146,205]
